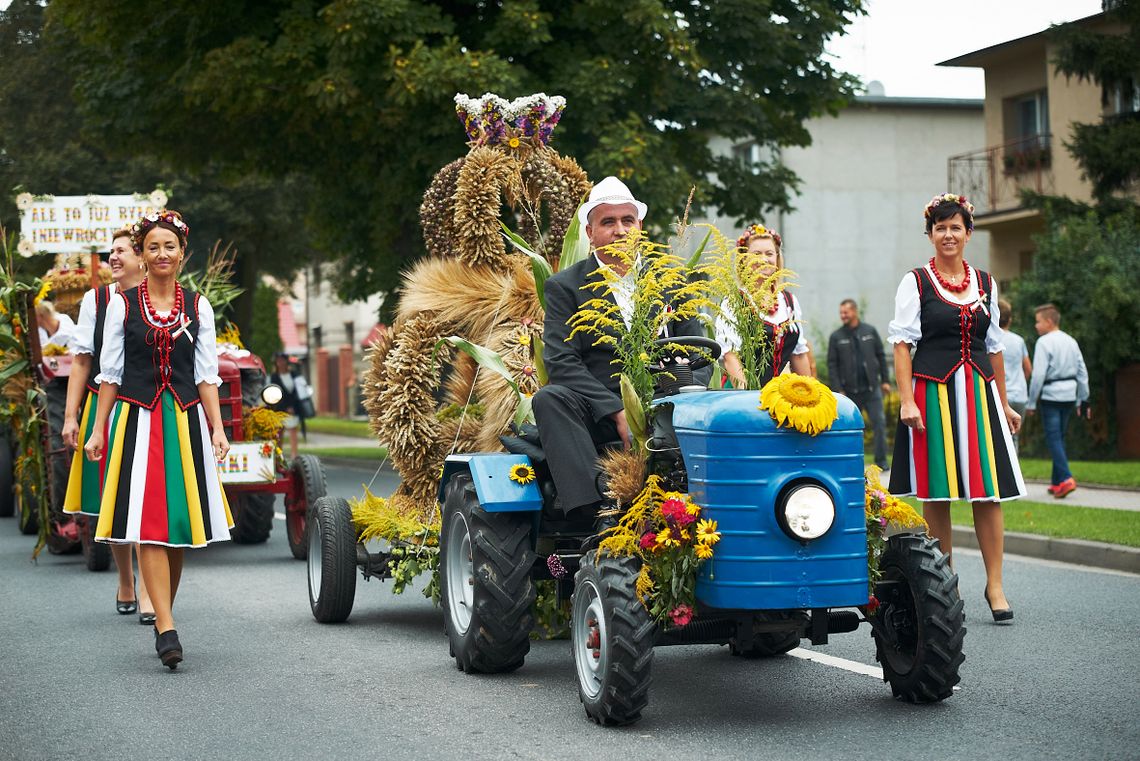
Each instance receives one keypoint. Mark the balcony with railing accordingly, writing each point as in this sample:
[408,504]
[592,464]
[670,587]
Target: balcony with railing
[993,178]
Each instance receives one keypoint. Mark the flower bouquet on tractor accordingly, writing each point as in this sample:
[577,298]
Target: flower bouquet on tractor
[742,517]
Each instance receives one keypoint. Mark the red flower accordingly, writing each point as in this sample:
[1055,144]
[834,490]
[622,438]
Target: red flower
[672,508]
[648,539]
[872,604]
[681,615]
[684,518]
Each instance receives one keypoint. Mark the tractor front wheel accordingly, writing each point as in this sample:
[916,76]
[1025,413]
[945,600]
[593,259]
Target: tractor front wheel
[611,639]
[919,625]
[484,574]
[308,476]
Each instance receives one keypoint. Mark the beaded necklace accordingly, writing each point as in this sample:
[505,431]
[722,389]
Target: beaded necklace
[153,315]
[942,281]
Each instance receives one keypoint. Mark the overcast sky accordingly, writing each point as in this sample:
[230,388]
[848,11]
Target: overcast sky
[899,42]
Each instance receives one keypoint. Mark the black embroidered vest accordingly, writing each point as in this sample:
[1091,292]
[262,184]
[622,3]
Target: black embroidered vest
[783,339]
[154,359]
[952,334]
[102,298]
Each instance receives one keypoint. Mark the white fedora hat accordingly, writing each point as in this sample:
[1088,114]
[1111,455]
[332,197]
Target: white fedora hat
[611,190]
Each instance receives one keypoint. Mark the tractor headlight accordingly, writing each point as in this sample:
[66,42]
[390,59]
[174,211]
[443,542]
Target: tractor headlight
[271,394]
[807,512]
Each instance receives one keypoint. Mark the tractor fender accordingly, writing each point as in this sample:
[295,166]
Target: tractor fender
[490,473]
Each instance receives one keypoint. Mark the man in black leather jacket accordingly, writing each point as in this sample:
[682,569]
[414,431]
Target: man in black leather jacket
[857,368]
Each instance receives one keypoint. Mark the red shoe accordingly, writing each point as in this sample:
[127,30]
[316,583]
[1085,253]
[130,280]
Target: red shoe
[1051,489]
[1064,488]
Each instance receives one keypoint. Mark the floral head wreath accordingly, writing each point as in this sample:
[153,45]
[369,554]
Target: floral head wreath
[950,198]
[149,221]
[758,231]
[490,120]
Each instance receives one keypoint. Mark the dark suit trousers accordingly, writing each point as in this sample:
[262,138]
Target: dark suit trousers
[571,437]
[871,402]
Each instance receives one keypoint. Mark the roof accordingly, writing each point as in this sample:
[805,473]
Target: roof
[886,100]
[287,329]
[979,58]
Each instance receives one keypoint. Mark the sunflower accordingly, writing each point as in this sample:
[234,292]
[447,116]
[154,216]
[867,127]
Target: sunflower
[707,533]
[45,289]
[799,402]
[704,551]
[522,474]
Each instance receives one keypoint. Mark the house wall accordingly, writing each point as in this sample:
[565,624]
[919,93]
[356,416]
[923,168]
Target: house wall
[858,225]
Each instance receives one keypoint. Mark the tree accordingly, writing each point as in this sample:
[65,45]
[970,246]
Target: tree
[1108,151]
[356,95]
[1099,307]
[264,336]
[45,148]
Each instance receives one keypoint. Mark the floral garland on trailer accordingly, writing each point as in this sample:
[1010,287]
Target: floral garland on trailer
[414,543]
[21,399]
[264,424]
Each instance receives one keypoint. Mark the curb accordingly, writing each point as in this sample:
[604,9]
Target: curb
[1089,486]
[1115,557]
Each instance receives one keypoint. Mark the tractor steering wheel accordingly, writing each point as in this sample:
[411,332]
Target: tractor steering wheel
[704,351]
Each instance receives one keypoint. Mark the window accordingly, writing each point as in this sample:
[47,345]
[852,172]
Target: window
[1028,125]
[350,333]
[747,155]
[317,336]
[1126,97]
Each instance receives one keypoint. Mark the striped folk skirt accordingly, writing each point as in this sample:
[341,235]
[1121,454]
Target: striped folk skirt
[160,483]
[966,451]
[85,483]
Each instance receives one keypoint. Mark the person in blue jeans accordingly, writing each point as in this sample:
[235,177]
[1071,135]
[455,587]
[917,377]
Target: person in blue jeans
[1060,382]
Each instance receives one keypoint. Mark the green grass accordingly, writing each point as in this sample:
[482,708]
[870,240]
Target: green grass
[1125,473]
[375,453]
[1061,521]
[357,428]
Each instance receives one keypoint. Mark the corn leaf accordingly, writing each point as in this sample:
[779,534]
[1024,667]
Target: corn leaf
[634,413]
[695,259]
[539,362]
[538,264]
[490,360]
[575,246]
[13,369]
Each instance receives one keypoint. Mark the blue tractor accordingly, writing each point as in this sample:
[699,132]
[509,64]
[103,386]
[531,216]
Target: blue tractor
[791,565]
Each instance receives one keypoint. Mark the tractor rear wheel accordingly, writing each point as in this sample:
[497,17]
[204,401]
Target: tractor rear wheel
[309,485]
[331,560]
[919,625]
[611,639]
[253,517]
[484,575]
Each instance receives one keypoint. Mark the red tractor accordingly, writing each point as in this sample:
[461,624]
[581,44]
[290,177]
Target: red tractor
[251,474]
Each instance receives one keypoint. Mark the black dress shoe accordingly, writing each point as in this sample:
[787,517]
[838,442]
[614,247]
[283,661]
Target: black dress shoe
[169,649]
[1001,616]
[146,619]
[125,608]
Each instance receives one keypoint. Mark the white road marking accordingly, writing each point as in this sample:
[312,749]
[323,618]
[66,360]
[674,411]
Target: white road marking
[839,663]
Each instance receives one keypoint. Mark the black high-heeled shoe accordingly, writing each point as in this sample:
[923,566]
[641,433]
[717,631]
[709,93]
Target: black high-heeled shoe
[169,649]
[127,607]
[146,618]
[1001,616]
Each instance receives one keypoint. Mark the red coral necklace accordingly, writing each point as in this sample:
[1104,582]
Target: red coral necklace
[942,281]
[152,313]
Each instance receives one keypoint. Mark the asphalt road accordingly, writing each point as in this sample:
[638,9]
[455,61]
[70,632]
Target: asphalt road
[263,680]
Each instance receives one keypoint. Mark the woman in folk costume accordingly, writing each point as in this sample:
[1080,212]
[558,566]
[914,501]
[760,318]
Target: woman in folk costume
[158,402]
[85,485]
[782,319]
[955,430]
